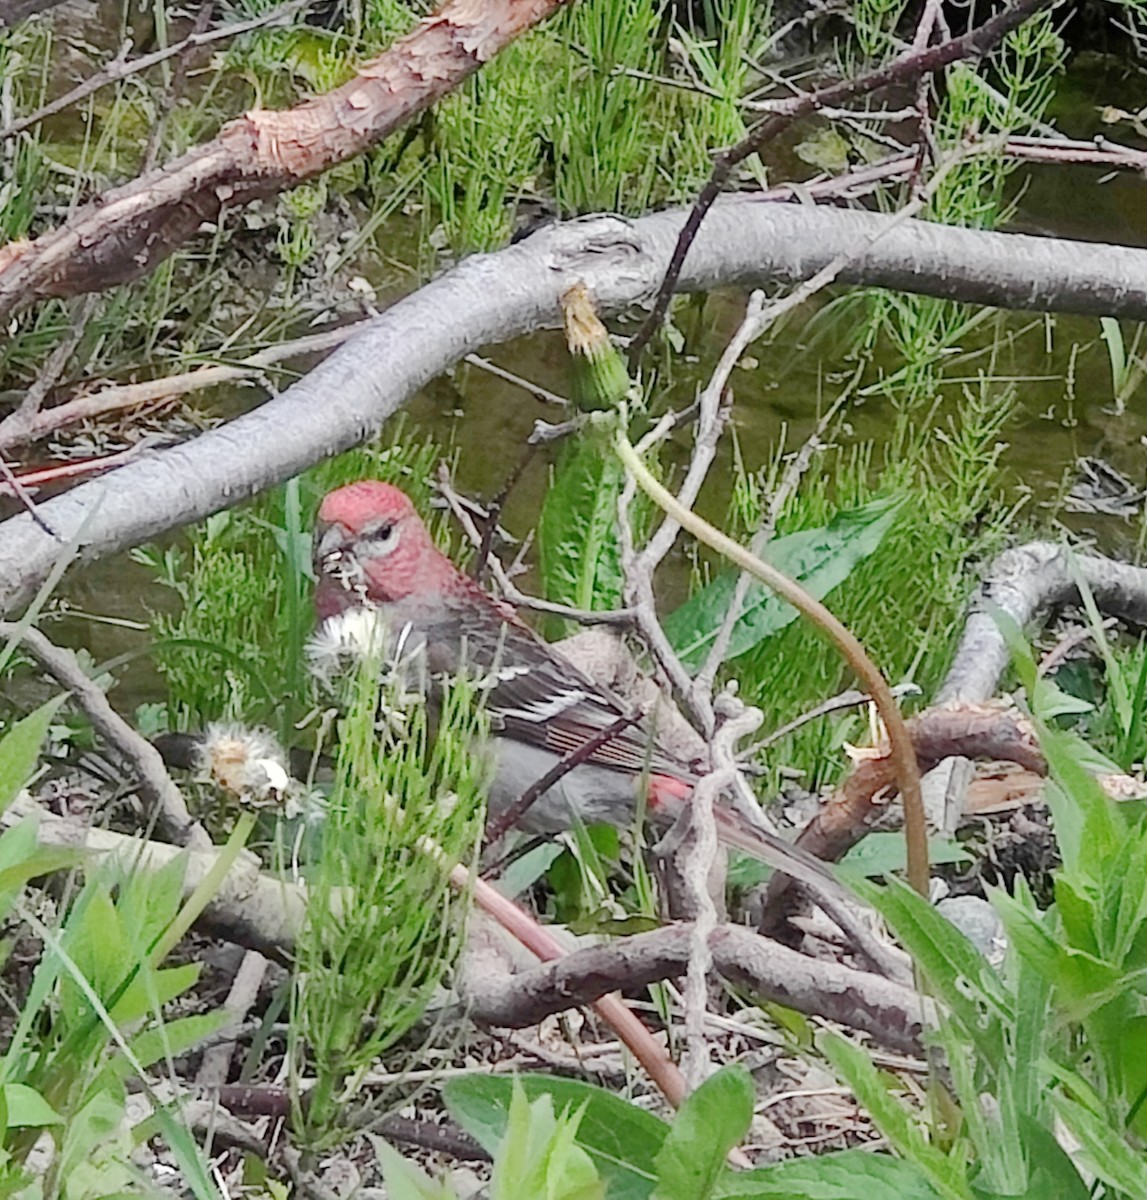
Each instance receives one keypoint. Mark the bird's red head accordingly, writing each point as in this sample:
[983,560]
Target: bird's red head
[371,546]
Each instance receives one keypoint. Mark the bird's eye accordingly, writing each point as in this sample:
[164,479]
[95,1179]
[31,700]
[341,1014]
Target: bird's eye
[383,532]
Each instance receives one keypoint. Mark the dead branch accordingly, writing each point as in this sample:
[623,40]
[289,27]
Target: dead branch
[121,67]
[491,298]
[1026,583]
[155,785]
[960,730]
[126,232]
[905,68]
[889,1012]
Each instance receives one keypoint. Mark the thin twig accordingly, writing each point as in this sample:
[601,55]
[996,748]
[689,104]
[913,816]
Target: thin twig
[534,389]
[902,70]
[788,485]
[121,67]
[902,752]
[13,484]
[155,785]
[568,762]
[57,361]
[622,618]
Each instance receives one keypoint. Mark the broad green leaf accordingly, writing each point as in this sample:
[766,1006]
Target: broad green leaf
[26,1107]
[578,549]
[708,1125]
[622,1140]
[818,559]
[844,1175]
[20,750]
[175,1038]
[151,988]
[404,1180]
[882,853]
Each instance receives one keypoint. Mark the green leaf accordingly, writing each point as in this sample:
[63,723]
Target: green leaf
[404,1180]
[20,750]
[894,1118]
[818,559]
[578,547]
[708,1125]
[844,1175]
[883,853]
[622,1140]
[959,974]
[174,1038]
[26,1107]
[539,1156]
[1106,1151]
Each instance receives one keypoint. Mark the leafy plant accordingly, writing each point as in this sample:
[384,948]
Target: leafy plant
[384,921]
[93,1015]
[638,1155]
[818,559]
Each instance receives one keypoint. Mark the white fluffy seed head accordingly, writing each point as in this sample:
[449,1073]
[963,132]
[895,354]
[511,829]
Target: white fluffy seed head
[250,763]
[350,637]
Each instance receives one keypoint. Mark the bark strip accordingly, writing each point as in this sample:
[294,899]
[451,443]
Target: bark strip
[126,232]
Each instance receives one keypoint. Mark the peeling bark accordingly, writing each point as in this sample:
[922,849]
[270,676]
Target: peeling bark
[889,1012]
[126,232]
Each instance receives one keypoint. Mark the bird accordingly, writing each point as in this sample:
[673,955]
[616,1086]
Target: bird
[377,568]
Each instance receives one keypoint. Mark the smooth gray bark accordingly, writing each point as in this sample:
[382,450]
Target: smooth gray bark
[492,298]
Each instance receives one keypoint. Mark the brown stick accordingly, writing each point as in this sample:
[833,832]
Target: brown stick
[126,232]
[555,774]
[903,69]
[890,1012]
[964,730]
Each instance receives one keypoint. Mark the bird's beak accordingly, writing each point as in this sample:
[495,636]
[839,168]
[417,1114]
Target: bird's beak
[330,542]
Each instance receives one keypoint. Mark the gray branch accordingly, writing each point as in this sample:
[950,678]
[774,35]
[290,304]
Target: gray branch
[492,298]
[1027,582]
[889,1012]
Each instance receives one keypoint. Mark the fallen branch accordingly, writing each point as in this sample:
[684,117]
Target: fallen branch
[889,1012]
[491,298]
[966,731]
[127,231]
[155,785]
[1027,582]
[904,69]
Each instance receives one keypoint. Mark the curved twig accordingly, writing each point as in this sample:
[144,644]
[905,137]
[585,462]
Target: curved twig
[902,752]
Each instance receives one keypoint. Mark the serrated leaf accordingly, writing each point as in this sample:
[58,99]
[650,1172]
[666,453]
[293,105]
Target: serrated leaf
[20,750]
[578,548]
[622,1140]
[708,1125]
[818,559]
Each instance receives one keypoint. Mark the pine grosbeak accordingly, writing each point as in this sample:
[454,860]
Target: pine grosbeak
[374,558]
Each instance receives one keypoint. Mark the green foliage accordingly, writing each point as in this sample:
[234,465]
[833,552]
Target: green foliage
[818,559]
[578,549]
[384,923]
[640,1157]
[94,1013]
